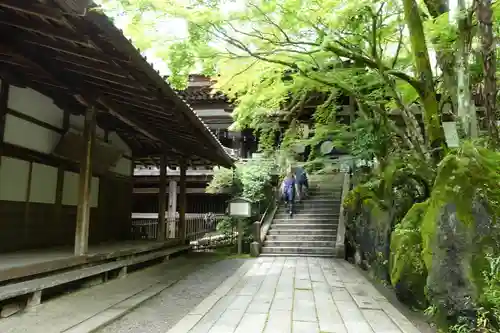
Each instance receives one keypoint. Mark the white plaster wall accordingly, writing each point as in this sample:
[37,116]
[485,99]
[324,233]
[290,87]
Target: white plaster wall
[36,105]
[70,190]
[41,107]
[43,184]
[19,132]
[14,175]
[26,134]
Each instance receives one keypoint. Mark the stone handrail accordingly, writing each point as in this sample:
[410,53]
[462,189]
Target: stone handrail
[339,244]
[268,216]
[261,227]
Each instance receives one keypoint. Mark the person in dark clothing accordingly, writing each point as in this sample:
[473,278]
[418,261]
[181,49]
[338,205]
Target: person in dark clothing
[288,191]
[302,182]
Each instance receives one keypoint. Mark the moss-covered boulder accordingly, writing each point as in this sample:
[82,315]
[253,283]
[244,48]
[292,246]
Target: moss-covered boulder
[449,284]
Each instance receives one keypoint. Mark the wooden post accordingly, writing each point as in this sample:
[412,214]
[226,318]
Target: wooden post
[26,219]
[182,202]
[240,235]
[162,198]
[83,212]
[60,177]
[172,208]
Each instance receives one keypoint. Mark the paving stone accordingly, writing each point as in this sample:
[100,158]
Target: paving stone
[361,297]
[259,307]
[303,306]
[305,327]
[304,295]
[282,304]
[303,284]
[240,302]
[352,317]
[213,315]
[341,294]
[380,322]
[279,322]
[398,318]
[228,321]
[328,315]
[252,322]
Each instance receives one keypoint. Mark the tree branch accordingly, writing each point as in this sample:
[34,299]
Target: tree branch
[372,64]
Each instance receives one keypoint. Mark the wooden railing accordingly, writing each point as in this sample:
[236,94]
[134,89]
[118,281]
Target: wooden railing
[145,226]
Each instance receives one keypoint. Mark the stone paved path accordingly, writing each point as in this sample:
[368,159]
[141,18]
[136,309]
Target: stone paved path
[295,295]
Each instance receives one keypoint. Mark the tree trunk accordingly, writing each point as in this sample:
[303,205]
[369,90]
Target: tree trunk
[434,131]
[465,108]
[484,15]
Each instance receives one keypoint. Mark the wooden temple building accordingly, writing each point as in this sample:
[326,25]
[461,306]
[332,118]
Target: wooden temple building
[80,108]
[215,111]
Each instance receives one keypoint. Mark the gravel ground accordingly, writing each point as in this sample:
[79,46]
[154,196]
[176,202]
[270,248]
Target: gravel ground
[160,313]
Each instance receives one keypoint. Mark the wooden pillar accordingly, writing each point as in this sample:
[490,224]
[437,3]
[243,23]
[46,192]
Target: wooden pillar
[4,104]
[83,212]
[131,206]
[162,199]
[26,219]
[60,177]
[182,202]
[172,208]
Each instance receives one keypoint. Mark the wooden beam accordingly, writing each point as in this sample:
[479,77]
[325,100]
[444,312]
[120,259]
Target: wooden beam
[34,26]
[108,79]
[33,8]
[122,44]
[83,212]
[88,93]
[78,52]
[162,199]
[182,202]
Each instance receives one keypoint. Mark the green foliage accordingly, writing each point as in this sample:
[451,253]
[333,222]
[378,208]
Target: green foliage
[466,174]
[273,59]
[406,264]
[406,246]
[222,181]
[251,179]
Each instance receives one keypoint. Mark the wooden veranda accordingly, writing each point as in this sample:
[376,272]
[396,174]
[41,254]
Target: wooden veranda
[80,107]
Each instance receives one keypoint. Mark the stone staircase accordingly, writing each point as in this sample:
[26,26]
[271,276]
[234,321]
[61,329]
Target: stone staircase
[312,230]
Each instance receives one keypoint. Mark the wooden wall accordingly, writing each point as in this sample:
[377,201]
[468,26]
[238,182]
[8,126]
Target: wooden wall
[38,197]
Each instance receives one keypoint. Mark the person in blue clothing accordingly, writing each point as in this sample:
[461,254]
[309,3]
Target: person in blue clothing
[288,191]
[302,182]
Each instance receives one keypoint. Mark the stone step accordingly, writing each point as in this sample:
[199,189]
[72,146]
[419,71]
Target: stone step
[307,215]
[294,232]
[299,250]
[320,207]
[303,226]
[305,221]
[295,243]
[295,255]
[322,198]
[301,237]
[316,206]
[333,191]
